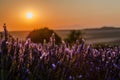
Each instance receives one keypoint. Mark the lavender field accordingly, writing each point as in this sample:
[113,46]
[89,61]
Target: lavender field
[59,39]
[25,60]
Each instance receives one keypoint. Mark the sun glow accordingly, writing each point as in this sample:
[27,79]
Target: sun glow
[29,15]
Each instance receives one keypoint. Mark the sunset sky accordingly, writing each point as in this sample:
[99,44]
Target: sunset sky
[59,14]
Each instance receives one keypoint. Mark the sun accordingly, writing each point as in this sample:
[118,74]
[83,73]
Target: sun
[29,15]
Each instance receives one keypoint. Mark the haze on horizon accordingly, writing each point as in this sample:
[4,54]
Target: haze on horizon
[62,14]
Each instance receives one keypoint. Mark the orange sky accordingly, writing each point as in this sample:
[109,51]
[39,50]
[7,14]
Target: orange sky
[62,14]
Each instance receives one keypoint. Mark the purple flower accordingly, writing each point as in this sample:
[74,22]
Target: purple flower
[80,76]
[53,66]
[70,77]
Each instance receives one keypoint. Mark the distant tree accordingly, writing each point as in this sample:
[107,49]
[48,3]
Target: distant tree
[41,35]
[73,36]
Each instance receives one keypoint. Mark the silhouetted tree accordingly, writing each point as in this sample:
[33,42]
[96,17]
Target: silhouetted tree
[41,35]
[73,36]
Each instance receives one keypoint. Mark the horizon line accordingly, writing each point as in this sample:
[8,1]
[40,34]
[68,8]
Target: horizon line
[66,28]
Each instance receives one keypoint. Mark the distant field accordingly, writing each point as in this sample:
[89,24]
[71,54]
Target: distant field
[20,34]
[102,35]
[91,35]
